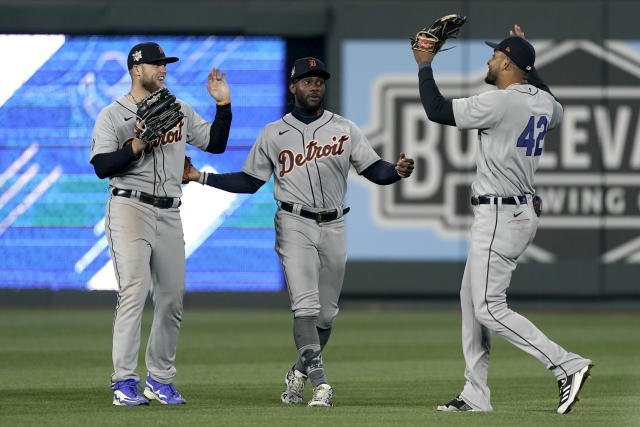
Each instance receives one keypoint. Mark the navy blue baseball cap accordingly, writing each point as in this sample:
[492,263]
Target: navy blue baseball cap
[147,53]
[518,50]
[308,66]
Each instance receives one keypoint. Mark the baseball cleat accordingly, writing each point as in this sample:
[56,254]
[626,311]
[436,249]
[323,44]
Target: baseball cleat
[455,405]
[570,387]
[163,393]
[126,393]
[295,381]
[322,396]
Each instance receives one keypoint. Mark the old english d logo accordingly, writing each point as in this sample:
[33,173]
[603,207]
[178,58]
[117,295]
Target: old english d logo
[588,171]
[312,63]
[160,50]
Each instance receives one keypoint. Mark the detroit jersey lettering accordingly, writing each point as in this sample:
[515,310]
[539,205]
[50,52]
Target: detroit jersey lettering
[157,171]
[310,162]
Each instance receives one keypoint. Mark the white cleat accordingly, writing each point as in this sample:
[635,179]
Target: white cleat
[570,388]
[295,381]
[322,396]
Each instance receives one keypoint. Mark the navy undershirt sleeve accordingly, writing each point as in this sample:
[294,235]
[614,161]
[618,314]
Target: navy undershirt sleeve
[108,164]
[235,182]
[438,109]
[381,173]
[219,131]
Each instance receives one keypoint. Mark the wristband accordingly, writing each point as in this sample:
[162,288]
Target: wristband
[203,178]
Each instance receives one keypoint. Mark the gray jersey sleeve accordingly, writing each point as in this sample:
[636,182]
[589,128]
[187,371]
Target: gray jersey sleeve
[480,111]
[258,163]
[557,115]
[104,138]
[198,130]
[362,154]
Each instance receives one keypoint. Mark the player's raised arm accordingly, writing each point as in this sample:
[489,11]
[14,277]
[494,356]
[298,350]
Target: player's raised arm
[425,46]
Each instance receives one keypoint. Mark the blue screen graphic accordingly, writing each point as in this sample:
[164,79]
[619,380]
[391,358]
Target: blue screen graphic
[52,205]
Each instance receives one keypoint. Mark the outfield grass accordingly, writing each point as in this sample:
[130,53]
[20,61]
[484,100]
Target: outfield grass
[386,367]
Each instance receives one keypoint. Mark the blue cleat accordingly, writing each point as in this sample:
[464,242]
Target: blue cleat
[126,393]
[163,393]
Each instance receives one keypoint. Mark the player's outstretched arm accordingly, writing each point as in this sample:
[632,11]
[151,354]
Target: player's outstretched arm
[234,182]
[385,173]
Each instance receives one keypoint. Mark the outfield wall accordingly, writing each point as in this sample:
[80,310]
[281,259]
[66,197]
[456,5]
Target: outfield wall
[411,239]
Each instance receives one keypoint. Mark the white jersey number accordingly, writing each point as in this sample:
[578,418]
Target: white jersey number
[527,138]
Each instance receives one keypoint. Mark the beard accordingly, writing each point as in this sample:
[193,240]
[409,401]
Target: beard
[150,85]
[490,78]
[306,105]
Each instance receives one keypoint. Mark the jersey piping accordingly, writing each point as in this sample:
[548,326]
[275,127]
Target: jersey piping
[486,287]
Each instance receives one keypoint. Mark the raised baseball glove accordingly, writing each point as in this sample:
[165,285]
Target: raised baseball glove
[187,168]
[432,38]
[160,113]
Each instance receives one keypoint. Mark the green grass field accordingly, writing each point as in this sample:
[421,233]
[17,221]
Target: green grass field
[386,367]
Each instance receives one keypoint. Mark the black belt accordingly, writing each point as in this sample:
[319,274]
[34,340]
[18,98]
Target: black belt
[158,202]
[506,200]
[324,216]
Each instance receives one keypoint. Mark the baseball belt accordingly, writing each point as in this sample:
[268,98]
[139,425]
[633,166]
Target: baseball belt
[506,200]
[323,216]
[158,202]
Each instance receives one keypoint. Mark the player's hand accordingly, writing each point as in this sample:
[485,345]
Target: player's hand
[421,56]
[404,167]
[517,31]
[137,145]
[193,174]
[217,85]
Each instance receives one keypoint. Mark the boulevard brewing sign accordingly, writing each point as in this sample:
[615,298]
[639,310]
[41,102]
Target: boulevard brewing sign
[589,172]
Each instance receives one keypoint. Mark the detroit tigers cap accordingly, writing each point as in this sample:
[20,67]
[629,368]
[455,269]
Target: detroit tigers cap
[308,66]
[518,50]
[147,53]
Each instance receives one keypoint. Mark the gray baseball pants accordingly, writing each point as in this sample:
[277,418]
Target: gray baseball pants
[147,249]
[498,238]
[313,257]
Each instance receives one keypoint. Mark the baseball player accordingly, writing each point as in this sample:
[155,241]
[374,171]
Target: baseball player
[512,122]
[309,152]
[143,223]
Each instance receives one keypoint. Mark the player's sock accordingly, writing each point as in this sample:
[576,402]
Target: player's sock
[307,341]
[323,335]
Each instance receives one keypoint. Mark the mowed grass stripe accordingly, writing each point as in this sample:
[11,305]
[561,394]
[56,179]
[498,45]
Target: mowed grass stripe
[387,368]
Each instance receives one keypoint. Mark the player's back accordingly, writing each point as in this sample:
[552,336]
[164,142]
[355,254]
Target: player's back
[512,126]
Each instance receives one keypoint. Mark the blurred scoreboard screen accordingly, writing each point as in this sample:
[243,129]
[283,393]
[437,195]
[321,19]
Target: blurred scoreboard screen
[52,205]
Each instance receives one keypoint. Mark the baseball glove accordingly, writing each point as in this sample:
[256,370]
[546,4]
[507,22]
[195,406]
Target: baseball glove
[432,38]
[187,168]
[160,113]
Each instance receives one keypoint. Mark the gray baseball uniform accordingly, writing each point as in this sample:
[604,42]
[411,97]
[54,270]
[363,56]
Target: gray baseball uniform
[145,240]
[512,124]
[310,164]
